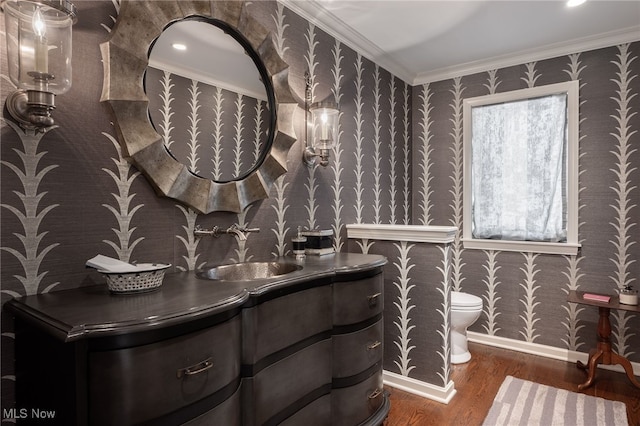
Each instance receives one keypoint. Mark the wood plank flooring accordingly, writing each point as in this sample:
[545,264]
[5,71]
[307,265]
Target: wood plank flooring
[477,383]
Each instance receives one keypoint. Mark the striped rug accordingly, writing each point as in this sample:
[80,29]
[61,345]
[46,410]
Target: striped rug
[520,402]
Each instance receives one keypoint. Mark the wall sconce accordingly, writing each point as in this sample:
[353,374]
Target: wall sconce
[39,56]
[324,128]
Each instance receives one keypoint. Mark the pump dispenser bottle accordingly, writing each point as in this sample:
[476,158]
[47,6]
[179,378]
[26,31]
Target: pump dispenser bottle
[299,242]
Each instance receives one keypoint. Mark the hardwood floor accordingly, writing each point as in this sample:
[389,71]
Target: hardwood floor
[477,383]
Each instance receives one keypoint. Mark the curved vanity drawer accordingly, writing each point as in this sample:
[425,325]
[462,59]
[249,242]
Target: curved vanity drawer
[355,404]
[137,384]
[227,413]
[354,352]
[356,301]
[283,388]
[279,323]
[317,413]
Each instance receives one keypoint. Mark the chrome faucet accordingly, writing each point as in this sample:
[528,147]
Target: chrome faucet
[216,231]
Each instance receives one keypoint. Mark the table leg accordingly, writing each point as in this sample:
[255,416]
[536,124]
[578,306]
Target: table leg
[603,354]
[590,367]
[618,359]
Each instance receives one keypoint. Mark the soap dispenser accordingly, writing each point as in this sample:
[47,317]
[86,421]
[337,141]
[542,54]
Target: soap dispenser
[299,242]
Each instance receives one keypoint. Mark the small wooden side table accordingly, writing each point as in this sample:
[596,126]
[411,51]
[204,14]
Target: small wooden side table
[603,354]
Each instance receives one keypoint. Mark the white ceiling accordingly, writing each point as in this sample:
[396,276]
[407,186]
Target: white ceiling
[421,41]
[211,56]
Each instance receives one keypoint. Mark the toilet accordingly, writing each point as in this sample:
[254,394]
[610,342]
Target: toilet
[465,310]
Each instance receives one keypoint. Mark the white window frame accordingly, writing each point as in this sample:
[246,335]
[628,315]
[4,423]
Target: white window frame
[571,246]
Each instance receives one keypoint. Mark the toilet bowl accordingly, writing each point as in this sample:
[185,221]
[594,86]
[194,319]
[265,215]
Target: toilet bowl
[465,310]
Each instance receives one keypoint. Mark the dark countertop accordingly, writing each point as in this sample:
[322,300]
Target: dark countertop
[93,311]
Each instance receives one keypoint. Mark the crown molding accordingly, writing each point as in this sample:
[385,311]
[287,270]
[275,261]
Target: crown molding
[338,29]
[624,35]
[316,14]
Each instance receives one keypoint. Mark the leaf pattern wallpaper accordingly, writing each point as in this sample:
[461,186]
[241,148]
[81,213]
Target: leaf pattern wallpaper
[222,134]
[69,194]
[524,294]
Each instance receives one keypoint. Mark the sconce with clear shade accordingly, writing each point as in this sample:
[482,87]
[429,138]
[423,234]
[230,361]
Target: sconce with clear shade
[324,131]
[38,36]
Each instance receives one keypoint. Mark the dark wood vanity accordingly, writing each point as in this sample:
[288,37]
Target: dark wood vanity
[302,348]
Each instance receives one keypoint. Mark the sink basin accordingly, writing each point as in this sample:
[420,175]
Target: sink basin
[248,271]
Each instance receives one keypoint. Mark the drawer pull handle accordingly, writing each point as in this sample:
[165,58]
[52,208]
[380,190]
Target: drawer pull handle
[374,345]
[373,299]
[376,393]
[195,369]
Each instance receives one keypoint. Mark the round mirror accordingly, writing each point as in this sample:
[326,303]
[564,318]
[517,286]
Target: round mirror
[126,62]
[207,99]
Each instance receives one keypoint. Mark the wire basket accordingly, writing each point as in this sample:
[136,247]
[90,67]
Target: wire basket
[136,282]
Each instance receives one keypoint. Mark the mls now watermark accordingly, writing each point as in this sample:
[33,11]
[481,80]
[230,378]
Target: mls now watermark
[27,413]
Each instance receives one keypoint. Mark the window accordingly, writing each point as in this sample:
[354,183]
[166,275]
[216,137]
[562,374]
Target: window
[521,170]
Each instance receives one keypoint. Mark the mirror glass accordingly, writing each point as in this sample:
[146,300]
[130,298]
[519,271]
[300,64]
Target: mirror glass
[207,100]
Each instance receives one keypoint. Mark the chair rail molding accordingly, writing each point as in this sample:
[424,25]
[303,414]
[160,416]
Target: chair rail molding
[413,233]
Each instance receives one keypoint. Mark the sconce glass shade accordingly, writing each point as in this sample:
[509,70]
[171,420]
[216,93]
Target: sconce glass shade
[39,57]
[39,44]
[325,117]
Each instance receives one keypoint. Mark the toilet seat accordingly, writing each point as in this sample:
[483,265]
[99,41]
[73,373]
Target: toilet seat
[465,302]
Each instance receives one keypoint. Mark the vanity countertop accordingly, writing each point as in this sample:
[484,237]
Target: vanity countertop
[93,311]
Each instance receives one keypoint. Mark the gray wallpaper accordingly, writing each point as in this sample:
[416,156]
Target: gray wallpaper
[418,284]
[525,293]
[223,133]
[69,194]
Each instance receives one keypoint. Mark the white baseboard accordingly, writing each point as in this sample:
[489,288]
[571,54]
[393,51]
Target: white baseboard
[541,350]
[445,394]
[417,387]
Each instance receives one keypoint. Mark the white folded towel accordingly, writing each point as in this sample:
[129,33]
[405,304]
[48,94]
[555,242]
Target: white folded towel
[109,264]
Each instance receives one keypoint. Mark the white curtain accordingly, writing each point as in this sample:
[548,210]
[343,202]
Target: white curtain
[519,168]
